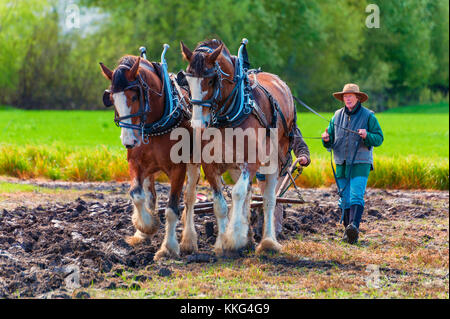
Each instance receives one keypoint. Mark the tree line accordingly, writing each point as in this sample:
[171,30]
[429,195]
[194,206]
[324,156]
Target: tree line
[315,46]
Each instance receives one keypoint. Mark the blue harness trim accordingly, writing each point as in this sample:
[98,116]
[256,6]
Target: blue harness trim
[173,109]
[260,177]
[241,98]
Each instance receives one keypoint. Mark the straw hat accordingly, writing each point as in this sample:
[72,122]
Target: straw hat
[351,88]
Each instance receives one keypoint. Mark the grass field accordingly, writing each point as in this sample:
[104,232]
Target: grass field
[85,145]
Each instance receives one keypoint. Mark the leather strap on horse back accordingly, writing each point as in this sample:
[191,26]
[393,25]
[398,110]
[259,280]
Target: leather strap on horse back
[275,110]
[259,114]
[284,159]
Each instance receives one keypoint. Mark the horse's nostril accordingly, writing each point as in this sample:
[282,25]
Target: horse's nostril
[129,146]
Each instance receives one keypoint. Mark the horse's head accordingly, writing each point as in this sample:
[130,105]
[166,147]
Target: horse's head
[129,95]
[209,65]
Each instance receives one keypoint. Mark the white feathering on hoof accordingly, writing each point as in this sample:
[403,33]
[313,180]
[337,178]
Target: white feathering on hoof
[235,236]
[143,218]
[269,242]
[268,245]
[169,247]
[189,238]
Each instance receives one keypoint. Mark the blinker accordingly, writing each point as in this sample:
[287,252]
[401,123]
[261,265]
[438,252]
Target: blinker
[181,79]
[107,98]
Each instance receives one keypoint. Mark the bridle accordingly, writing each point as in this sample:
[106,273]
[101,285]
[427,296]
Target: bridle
[216,73]
[237,105]
[174,110]
[144,106]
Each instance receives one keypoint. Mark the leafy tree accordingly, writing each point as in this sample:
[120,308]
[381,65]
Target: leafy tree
[316,47]
[17,22]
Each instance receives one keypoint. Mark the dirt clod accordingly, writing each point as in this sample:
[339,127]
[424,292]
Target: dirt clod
[164,272]
[82,295]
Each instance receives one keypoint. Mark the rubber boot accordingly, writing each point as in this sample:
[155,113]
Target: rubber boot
[346,217]
[352,230]
[346,221]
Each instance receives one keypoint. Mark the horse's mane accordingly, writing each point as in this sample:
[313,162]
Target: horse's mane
[197,63]
[211,43]
[129,60]
[119,81]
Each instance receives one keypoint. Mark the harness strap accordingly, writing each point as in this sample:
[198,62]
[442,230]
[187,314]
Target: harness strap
[259,114]
[275,110]
[174,109]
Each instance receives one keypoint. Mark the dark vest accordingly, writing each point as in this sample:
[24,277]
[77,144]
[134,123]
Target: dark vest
[345,142]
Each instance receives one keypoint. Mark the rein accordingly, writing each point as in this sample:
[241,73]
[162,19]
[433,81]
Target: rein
[340,190]
[312,110]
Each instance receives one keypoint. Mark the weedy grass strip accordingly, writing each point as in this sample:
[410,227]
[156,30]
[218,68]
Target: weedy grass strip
[105,164]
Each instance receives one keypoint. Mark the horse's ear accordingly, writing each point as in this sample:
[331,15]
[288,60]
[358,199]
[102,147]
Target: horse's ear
[212,57]
[133,72]
[187,54]
[107,73]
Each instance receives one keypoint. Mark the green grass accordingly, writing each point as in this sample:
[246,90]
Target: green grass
[405,133]
[85,145]
[68,128]
[437,108]
[6,187]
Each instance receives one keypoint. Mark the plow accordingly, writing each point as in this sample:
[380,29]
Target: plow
[257,200]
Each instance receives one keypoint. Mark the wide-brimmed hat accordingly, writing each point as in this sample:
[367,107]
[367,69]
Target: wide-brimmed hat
[351,88]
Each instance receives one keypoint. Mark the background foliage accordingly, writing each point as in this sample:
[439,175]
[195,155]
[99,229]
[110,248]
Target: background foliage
[315,46]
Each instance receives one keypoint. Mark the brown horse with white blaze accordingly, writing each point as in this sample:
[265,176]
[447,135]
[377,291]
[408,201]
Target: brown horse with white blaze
[212,79]
[137,93]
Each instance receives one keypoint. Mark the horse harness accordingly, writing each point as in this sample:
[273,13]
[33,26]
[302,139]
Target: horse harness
[241,101]
[273,104]
[168,122]
[240,106]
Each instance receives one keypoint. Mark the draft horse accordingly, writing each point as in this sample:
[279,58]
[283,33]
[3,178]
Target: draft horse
[224,95]
[148,106]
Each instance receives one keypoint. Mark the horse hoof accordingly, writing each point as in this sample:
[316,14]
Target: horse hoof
[165,252]
[218,245]
[218,248]
[134,240]
[218,251]
[188,247]
[233,244]
[268,246]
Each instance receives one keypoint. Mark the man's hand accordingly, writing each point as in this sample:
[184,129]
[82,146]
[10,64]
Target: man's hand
[362,133]
[303,160]
[326,136]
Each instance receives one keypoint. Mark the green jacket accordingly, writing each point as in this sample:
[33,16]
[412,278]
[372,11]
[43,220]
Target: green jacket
[374,138]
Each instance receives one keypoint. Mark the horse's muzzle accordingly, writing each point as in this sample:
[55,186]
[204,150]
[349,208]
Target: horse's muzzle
[130,146]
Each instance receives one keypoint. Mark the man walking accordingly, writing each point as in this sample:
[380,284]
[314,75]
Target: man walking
[352,134]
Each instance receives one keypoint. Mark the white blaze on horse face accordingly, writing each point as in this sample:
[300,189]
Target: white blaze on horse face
[195,85]
[127,135]
[197,117]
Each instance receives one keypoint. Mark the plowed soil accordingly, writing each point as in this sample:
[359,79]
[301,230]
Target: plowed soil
[54,243]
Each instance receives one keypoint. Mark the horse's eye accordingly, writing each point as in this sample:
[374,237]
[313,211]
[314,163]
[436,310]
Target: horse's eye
[210,82]
[134,98]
